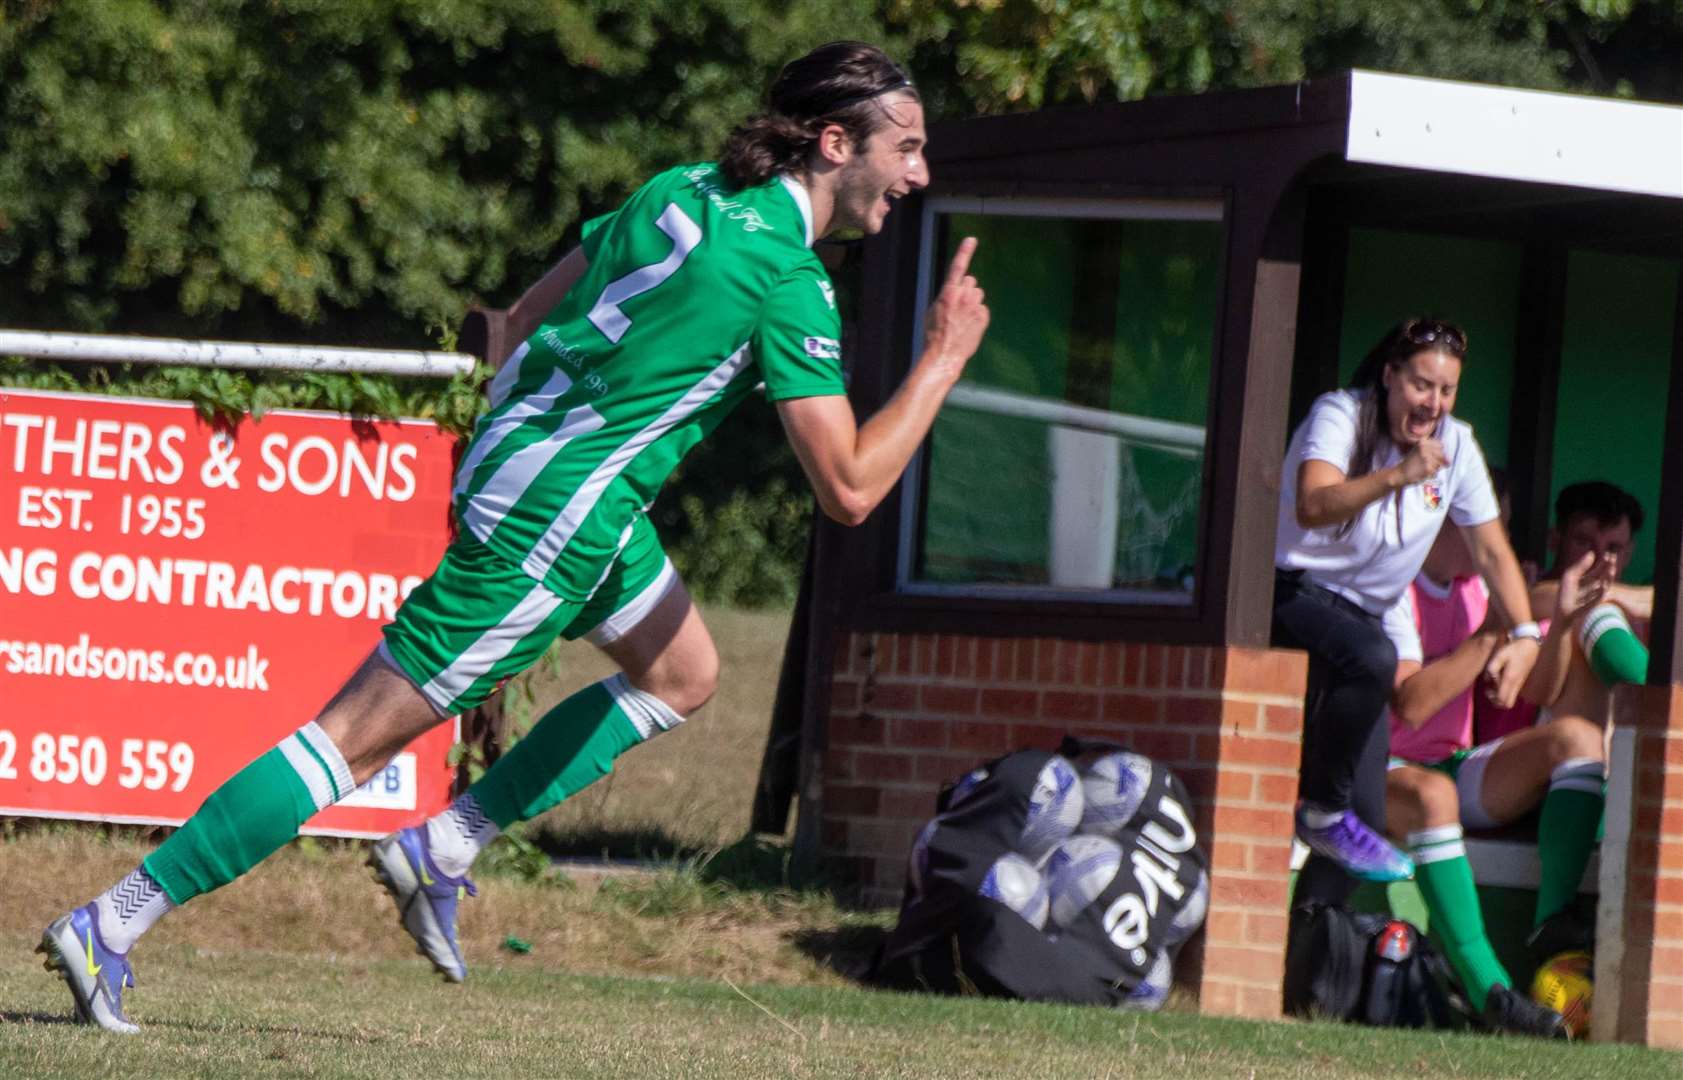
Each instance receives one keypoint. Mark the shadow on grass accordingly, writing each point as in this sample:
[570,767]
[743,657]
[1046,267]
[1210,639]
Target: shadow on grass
[8,1016]
[12,828]
[755,863]
[19,1017]
[849,950]
[645,845]
[359,1037]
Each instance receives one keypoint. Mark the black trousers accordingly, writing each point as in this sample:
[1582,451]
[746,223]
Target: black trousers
[1346,739]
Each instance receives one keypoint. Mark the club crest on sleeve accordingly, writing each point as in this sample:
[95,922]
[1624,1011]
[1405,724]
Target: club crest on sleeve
[823,348]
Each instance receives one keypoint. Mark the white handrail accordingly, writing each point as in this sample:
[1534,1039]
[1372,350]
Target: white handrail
[1186,440]
[113,348]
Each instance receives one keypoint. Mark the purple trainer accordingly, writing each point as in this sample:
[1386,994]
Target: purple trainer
[426,897]
[1362,852]
[96,976]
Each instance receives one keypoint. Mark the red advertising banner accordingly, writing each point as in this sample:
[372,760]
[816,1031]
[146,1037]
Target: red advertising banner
[176,598]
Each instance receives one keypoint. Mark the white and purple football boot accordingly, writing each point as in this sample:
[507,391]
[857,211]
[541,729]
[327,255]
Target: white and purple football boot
[426,897]
[96,976]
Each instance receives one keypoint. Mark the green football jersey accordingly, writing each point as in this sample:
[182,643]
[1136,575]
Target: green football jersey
[695,295]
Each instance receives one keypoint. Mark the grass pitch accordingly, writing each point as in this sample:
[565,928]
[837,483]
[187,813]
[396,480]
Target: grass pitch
[713,969]
[299,969]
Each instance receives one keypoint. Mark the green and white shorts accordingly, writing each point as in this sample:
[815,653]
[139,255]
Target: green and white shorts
[1466,768]
[479,620]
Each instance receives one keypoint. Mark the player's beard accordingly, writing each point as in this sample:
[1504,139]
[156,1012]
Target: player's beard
[861,201]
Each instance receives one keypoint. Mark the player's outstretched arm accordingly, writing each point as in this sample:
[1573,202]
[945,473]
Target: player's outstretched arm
[528,312]
[1511,664]
[1580,588]
[851,467]
[1421,691]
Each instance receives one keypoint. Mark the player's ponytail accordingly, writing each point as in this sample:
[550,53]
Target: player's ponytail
[838,83]
[763,146]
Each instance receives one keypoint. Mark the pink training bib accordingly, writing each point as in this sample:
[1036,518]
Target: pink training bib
[1444,623]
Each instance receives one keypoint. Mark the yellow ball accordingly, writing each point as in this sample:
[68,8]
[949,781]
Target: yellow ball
[1565,984]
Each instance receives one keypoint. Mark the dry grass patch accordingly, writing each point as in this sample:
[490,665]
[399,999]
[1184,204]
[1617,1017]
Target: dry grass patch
[695,785]
[319,899]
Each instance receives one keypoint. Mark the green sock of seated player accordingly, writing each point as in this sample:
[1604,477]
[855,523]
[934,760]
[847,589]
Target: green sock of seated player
[572,747]
[1615,653]
[1446,883]
[253,813]
[1566,831]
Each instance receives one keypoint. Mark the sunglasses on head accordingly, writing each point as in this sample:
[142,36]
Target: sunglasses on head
[1432,332]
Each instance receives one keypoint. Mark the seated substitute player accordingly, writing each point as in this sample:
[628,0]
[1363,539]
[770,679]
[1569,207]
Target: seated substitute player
[1599,521]
[701,285]
[1438,783]
[1602,520]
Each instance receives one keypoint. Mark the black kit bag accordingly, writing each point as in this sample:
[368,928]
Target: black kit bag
[1346,965]
[951,939]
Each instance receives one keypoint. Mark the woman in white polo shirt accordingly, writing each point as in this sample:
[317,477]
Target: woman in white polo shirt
[1370,476]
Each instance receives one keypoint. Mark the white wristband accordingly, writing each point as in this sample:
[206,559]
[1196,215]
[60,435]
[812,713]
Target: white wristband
[1526,630]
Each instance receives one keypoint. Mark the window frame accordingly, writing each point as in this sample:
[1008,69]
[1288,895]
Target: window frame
[1147,603]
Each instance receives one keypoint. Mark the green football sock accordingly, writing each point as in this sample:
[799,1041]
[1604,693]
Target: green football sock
[572,747]
[1615,653]
[254,812]
[1446,883]
[1566,831]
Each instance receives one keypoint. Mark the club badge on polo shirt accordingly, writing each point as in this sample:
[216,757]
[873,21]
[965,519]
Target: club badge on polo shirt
[1431,493]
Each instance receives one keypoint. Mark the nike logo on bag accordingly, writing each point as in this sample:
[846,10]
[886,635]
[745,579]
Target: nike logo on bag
[93,968]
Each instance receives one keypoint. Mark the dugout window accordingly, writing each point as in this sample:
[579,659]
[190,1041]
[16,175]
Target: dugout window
[1069,461]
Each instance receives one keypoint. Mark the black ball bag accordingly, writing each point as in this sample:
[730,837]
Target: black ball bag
[951,939]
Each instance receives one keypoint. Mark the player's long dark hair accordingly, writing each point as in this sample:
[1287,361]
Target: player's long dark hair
[1392,351]
[838,83]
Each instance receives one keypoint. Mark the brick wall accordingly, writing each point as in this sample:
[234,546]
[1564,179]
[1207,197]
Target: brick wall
[909,711]
[1651,994]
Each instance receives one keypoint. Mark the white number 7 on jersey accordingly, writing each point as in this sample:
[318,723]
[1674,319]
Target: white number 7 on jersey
[685,235]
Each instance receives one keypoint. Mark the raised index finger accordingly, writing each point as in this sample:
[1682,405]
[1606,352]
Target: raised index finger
[961,262]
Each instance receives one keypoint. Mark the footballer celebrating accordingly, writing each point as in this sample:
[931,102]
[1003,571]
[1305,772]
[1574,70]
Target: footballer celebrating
[702,285]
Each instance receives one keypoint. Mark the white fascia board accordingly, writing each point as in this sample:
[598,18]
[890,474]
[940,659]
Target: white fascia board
[1497,131]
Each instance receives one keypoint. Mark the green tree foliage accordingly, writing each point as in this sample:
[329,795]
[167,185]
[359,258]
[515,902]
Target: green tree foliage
[358,168]
[361,171]
[1007,55]
[1010,55]
[1498,41]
